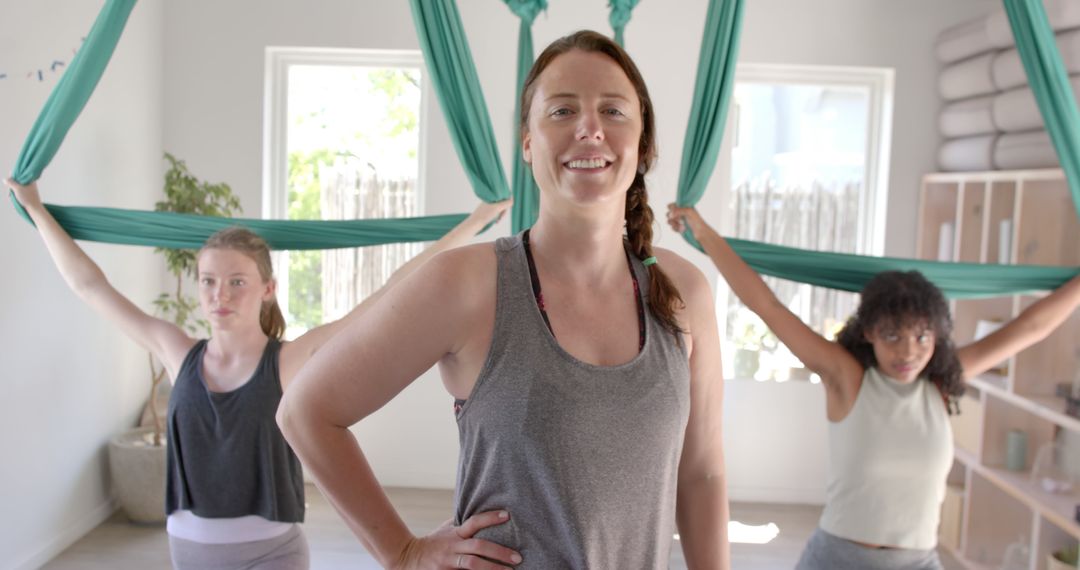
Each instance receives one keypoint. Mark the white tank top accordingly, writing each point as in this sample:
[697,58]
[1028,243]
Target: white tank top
[888,460]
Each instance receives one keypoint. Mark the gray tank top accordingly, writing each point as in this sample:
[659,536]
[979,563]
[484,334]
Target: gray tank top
[226,455]
[585,458]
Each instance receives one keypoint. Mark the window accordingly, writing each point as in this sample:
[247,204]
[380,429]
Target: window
[808,170]
[344,131]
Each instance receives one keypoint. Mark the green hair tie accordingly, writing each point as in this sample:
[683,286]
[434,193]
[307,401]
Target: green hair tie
[648,261]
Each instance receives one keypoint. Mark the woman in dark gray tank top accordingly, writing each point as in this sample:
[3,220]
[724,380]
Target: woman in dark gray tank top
[235,488]
[586,379]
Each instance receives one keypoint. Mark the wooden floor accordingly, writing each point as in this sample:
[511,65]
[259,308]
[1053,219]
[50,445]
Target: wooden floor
[118,545]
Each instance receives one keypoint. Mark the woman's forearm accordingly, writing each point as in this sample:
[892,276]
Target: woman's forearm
[1046,314]
[703,524]
[333,457]
[78,270]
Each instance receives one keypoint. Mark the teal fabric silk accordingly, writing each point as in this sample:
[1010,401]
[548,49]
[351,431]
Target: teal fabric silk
[620,16]
[523,187]
[69,96]
[163,229]
[450,66]
[180,231]
[1050,83]
[452,70]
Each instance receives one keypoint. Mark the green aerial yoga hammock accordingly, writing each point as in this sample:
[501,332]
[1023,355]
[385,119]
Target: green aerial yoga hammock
[450,65]
[187,231]
[526,196]
[69,96]
[1050,84]
[712,93]
[620,16]
[450,62]
[163,229]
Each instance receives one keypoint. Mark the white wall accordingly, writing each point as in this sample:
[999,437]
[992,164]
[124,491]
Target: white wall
[213,102]
[70,380]
[67,388]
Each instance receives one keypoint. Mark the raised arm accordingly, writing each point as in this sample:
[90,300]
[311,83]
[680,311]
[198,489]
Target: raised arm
[429,315]
[701,504]
[838,369]
[1031,326]
[296,353]
[164,339]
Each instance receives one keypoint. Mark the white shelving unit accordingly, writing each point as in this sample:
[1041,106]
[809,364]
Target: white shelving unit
[1023,217]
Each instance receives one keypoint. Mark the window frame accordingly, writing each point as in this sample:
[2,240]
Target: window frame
[880,83]
[278,61]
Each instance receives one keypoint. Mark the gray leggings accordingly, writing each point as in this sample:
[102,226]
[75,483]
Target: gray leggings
[286,552]
[827,552]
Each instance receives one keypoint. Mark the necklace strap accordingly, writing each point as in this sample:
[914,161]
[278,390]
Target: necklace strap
[538,294]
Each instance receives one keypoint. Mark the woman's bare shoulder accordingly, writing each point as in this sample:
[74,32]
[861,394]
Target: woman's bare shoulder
[686,276]
[465,273]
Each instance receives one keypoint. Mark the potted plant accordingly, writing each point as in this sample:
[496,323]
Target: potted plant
[137,458]
[751,338]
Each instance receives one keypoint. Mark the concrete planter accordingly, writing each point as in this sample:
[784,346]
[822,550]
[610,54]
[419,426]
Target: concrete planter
[138,475]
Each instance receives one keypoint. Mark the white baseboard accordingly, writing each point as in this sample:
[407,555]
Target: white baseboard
[36,556]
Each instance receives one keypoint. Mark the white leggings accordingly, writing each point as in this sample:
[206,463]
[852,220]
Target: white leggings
[286,552]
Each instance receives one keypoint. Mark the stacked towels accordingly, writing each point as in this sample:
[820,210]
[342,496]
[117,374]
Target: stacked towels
[991,120]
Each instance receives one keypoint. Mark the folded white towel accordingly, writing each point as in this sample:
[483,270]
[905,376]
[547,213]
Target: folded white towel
[1017,111]
[969,154]
[993,31]
[968,117]
[1016,151]
[962,41]
[968,78]
[1008,71]
[1062,14]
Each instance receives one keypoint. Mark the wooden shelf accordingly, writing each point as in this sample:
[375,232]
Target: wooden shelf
[1049,362]
[1020,217]
[966,457]
[994,520]
[994,176]
[1048,408]
[965,562]
[990,382]
[1058,509]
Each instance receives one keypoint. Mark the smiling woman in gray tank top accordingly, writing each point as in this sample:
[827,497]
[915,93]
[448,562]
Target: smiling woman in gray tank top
[584,365]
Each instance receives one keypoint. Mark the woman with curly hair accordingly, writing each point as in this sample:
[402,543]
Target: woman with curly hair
[891,380]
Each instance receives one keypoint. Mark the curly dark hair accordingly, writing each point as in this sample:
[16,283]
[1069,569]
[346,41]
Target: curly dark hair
[907,298]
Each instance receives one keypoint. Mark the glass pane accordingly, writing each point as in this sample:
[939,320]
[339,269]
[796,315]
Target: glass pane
[353,140]
[798,179]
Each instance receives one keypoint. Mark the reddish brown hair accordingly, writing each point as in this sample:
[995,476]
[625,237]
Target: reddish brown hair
[254,247]
[664,297]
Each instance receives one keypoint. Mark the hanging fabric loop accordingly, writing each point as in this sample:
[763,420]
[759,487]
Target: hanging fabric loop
[620,16]
[1050,83]
[523,188]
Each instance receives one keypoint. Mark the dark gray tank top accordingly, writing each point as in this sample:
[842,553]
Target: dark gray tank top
[226,456]
[585,458]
